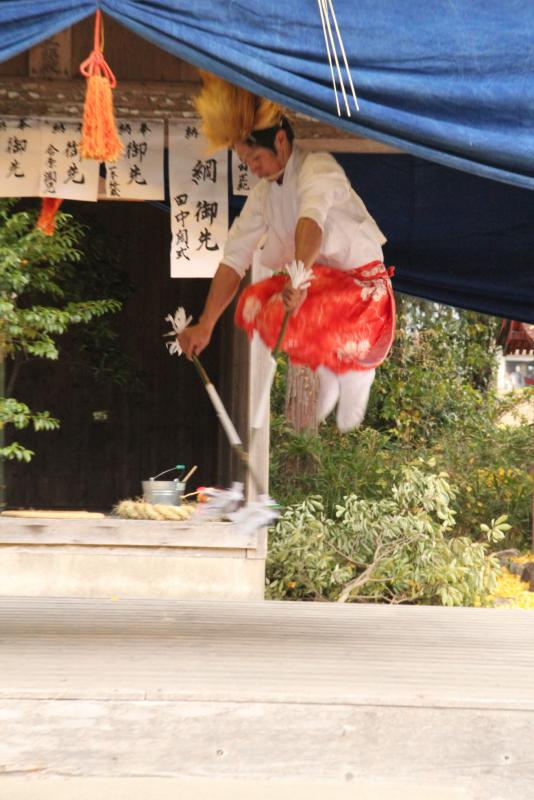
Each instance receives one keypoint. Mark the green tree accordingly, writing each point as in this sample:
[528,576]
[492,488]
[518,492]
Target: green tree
[433,401]
[439,374]
[37,306]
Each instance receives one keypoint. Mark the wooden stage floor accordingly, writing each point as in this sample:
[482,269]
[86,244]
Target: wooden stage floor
[391,697]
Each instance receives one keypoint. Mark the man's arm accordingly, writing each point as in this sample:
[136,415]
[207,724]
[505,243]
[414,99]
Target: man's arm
[223,288]
[308,241]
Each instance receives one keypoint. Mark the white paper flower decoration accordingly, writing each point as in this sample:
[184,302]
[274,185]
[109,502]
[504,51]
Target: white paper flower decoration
[179,323]
[300,277]
[222,503]
[260,514]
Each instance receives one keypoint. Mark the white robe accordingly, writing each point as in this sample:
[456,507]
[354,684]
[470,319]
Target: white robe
[314,186]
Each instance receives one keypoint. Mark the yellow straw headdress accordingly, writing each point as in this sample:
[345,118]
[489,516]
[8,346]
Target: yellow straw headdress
[229,114]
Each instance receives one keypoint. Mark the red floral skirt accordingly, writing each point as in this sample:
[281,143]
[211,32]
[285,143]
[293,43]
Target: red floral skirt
[347,321]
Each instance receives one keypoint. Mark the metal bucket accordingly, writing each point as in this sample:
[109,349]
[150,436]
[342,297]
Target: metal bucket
[166,493]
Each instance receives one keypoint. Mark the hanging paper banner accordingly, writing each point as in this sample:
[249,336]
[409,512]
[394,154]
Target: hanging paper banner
[199,202]
[63,172]
[243,180]
[20,156]
[138,174]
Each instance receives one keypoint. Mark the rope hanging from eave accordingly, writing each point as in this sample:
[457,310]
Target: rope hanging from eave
[100,139]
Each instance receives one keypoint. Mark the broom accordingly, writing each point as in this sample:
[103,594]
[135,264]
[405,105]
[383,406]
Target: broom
[179,323]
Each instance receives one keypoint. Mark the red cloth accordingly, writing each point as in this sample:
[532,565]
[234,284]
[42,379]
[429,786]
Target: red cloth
[347,321]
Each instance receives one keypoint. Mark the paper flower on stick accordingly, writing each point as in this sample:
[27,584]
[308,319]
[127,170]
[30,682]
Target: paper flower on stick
[260,514]
[299,276]
[222,502]
[179,323]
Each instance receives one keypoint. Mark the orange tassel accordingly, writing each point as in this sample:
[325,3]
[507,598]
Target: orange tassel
[47,217]
[100,139]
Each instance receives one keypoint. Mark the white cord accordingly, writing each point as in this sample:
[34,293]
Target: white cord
[330,3]
[333,46]
[319,3]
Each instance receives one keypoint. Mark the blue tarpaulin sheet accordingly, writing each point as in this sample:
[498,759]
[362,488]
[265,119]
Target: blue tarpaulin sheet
[449,81]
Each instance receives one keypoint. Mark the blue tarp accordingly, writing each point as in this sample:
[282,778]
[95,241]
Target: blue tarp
[452,237]
[452,82]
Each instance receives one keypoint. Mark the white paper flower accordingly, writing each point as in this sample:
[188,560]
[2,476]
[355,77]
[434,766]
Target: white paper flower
[251,309]
[222,502]
[300,277]
[253,516]
[179,323]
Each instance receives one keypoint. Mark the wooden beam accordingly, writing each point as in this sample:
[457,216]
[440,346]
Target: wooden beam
[157,100]
[111,532]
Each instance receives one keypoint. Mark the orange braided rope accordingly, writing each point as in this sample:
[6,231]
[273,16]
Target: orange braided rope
[100,139]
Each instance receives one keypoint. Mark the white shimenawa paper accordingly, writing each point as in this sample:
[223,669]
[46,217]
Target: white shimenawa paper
[198,185]
[20,156]
[243,181]
[63,172]
[138,173]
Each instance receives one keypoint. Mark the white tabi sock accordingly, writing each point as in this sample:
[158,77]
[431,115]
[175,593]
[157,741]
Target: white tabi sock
[328,392]
[354,395]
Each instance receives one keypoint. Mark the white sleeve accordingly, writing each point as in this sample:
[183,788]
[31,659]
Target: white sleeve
[245,233]
[321,184]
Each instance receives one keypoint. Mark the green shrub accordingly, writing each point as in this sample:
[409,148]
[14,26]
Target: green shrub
[399,549]
[433,400]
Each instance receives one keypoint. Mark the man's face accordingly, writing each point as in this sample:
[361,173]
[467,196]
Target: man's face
[261,161]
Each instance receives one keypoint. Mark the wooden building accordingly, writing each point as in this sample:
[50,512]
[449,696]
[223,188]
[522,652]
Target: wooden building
[112,437]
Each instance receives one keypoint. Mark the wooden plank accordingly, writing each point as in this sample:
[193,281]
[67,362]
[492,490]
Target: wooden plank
[485,754]
[217,788]
[260,551]
[221,575]
[149,551]
[159,100]
[439,700]
[344,144]
[122,533]
[274,652]
[130,56]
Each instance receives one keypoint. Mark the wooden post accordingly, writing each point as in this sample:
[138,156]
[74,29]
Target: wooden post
[3,493]
[258,440]
[242,375]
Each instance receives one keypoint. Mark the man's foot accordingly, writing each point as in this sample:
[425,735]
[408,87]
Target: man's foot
[354,395]
[328,392]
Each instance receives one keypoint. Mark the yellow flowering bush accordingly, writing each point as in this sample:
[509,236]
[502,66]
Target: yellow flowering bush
[510,591]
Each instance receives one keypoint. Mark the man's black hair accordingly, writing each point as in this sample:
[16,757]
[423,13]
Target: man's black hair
[266,137]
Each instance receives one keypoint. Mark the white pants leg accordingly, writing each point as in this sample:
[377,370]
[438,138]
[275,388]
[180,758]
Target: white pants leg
[328,394]
[353,398]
